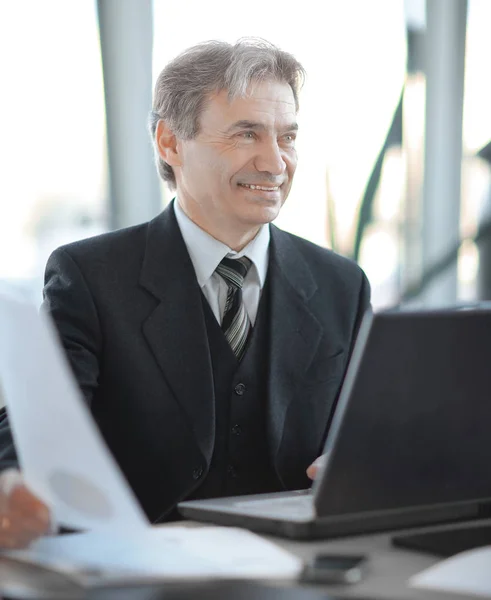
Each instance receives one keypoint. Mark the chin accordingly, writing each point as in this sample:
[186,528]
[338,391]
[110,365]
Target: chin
[259,215]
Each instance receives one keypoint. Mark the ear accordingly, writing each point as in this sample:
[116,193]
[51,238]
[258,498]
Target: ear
[166,143]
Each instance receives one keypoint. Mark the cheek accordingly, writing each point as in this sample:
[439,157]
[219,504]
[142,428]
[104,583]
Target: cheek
[206,177]
[194,167]
[222,168]
[241,161]
[291,161]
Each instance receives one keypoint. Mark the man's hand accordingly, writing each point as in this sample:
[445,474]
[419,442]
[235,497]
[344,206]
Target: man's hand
[314,468]
[23,517]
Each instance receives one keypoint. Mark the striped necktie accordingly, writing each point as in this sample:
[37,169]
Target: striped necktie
[235,323]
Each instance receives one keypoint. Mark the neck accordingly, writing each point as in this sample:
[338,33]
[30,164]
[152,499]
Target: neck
[234,236]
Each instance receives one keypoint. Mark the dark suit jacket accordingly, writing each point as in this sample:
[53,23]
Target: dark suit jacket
[128,309]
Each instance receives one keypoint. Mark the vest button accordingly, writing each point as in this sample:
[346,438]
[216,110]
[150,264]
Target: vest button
[236,430]
[240,389]
[197,472]
[231,472]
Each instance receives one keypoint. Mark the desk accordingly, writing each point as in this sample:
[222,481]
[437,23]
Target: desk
[388,570]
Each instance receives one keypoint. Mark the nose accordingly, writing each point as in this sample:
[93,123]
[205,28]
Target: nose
[270,159]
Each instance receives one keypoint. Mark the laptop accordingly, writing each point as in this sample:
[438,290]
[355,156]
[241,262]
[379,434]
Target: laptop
[409,443]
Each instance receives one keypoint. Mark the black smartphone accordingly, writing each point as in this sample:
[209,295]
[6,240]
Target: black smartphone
[334,568]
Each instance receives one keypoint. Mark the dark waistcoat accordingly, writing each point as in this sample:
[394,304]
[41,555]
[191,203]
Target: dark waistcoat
[241,461]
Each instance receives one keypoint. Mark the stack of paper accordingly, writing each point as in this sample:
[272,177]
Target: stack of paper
[163,553]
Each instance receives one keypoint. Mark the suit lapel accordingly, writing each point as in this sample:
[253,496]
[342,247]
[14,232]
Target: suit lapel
[295,332]
[175,330]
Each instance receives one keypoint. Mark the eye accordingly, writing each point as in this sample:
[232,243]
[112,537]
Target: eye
[248,135]
[290,138]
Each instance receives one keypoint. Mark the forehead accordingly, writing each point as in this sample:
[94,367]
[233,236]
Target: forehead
[267,102]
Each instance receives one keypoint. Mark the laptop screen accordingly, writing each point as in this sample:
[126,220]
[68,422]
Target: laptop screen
[413,422]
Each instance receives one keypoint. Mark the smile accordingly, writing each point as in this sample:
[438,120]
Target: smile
[260,187]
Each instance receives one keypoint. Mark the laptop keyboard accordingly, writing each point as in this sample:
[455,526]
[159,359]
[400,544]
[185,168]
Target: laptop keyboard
[298,506]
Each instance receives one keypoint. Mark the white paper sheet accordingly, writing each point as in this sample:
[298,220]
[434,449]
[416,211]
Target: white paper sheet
[64,458]
[164,553]
[466,573]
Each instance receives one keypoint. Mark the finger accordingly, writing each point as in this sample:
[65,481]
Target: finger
[312,472]
[20,525]
[12,486]
[15,524]
[10,536]
[24,503]
[16,542]
[18,532]
[314,468]
[15,495]
[24,519]
[23,499]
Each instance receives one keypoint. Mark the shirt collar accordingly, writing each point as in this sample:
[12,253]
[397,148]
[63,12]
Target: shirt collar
[206,252]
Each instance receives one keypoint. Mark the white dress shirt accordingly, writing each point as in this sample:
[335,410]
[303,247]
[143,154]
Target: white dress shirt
[206,252]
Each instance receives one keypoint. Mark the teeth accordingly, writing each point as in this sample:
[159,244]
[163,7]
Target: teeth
[259,187]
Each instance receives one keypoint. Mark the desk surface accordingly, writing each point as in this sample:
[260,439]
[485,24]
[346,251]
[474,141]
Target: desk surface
[387,571]
[388,568]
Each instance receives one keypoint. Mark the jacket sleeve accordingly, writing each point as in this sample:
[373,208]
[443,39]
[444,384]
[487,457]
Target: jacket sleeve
[68,301]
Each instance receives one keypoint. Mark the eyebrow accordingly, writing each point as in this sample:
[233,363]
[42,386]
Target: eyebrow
[254,125]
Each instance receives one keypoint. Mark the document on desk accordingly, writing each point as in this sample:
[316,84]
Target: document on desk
[163,553]
[466,573]
[62,454]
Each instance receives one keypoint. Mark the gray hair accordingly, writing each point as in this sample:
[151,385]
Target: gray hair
[185,84]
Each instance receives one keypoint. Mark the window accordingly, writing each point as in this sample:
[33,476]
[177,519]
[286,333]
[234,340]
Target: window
[52,147]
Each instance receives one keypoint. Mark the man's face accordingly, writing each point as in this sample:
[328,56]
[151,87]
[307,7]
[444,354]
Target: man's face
[237,172]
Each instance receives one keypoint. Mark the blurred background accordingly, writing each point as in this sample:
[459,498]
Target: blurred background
[394,145]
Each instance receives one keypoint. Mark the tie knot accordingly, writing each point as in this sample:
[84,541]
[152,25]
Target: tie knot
[234,270]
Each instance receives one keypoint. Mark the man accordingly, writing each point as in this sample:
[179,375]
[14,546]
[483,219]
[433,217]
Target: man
[210,346]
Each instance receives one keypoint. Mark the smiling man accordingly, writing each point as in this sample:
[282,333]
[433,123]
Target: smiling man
[209,344]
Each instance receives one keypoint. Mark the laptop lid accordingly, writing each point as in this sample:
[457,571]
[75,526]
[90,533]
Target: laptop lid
[412,425]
